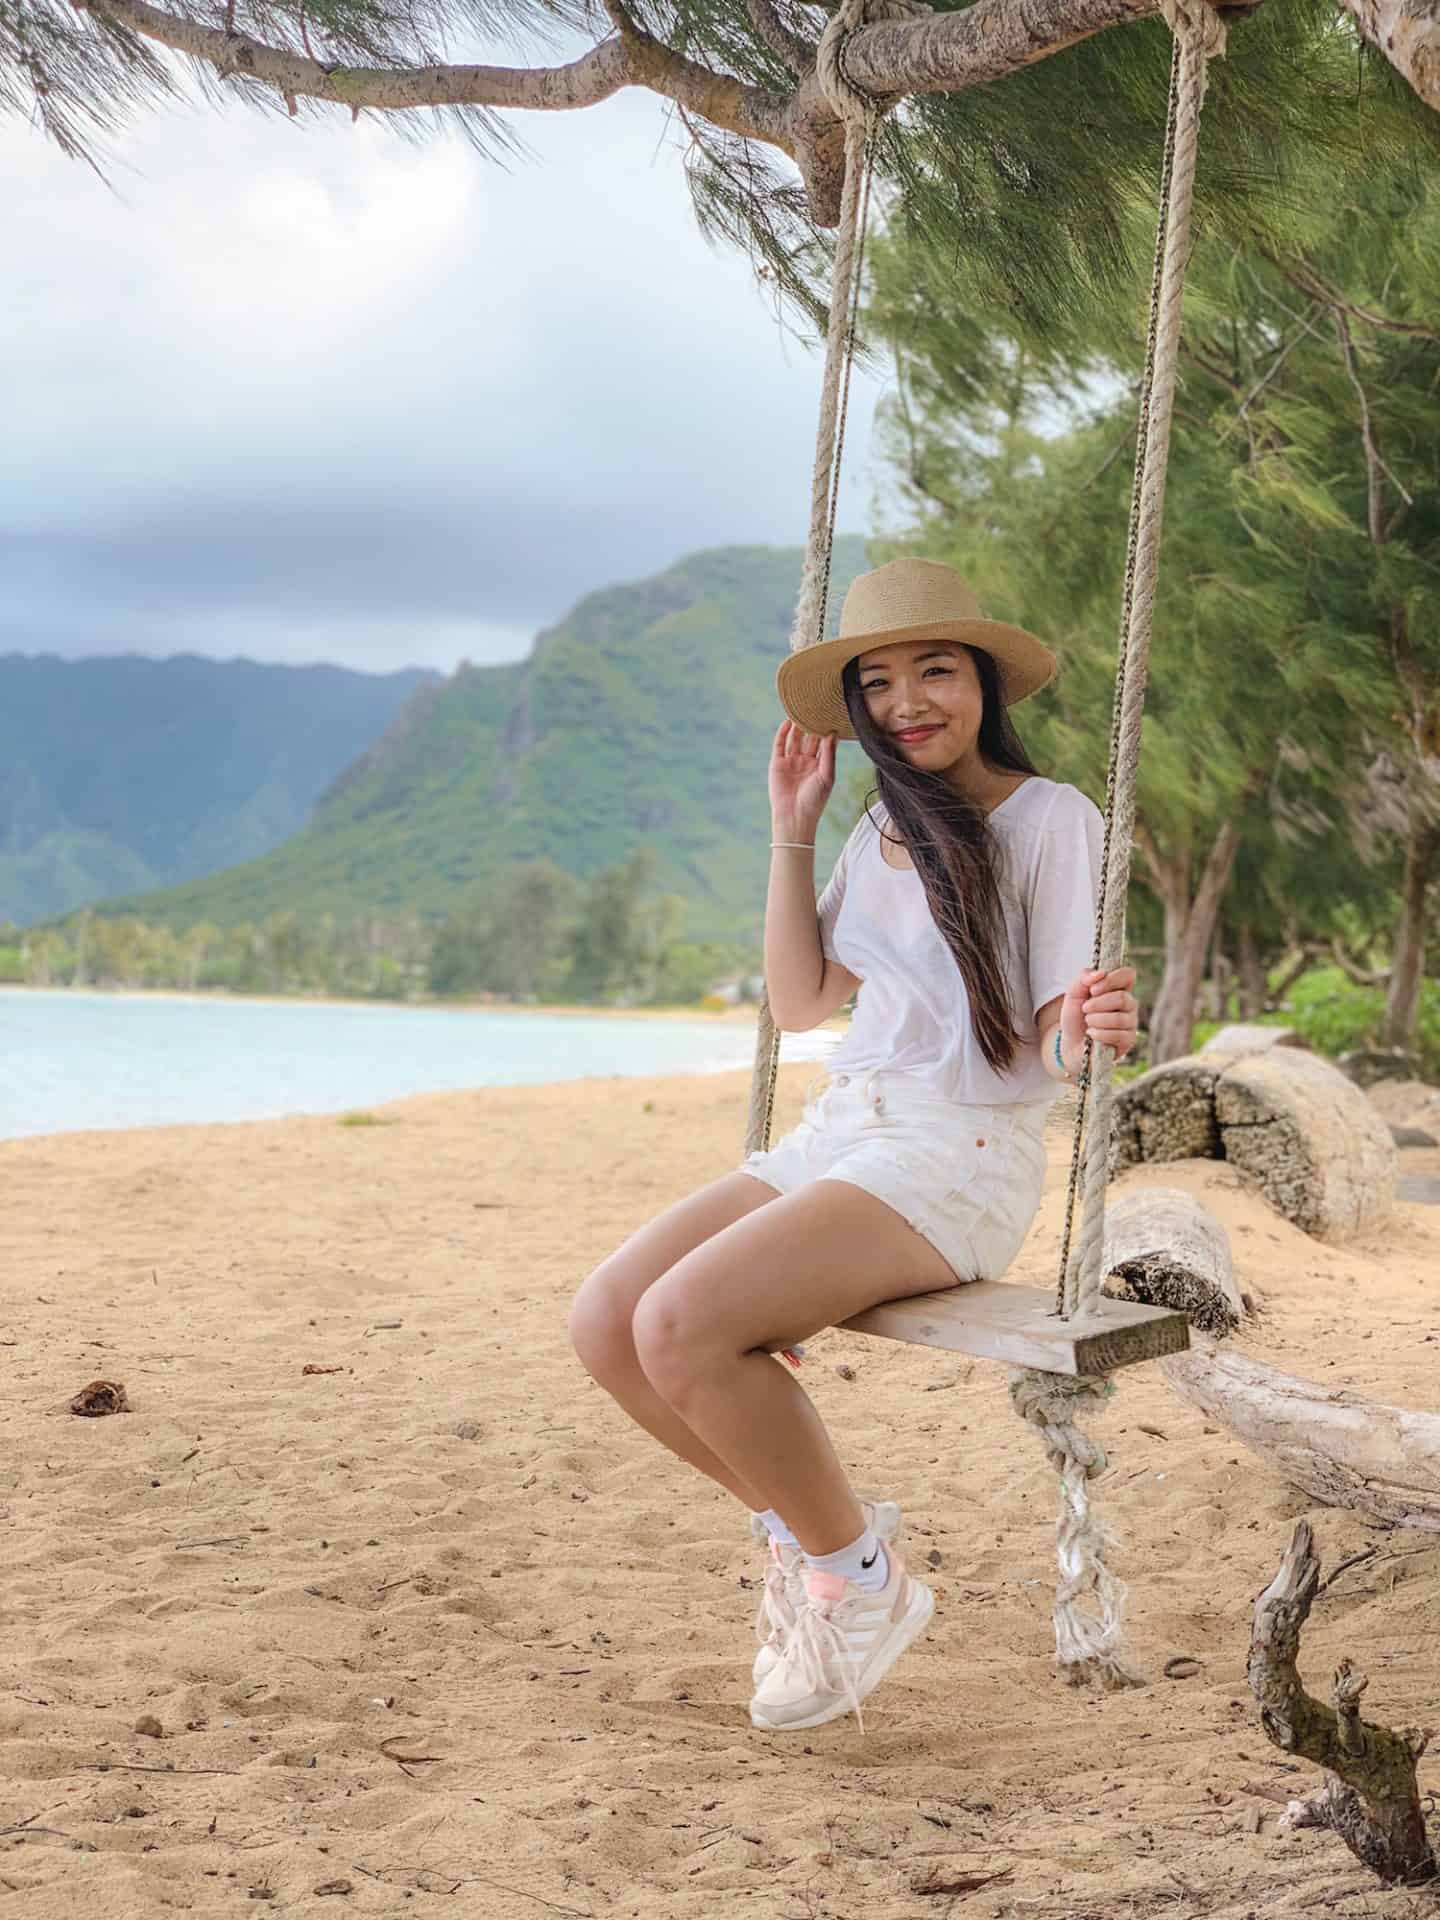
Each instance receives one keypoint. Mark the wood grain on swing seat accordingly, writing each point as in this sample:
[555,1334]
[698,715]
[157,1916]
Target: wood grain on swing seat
[994,1320]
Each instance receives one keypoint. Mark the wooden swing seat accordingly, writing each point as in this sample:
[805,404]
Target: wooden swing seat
[995,1320]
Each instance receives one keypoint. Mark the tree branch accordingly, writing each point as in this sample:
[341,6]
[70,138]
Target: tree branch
[1218,374]
[1374,460]
[1260,385]
[1291,970]
[1160,874]
[1407,32]
[797,54]
[941,53]
[1352,969]
[627,60]
[1306,281]
[1219,864]
[1370,1797]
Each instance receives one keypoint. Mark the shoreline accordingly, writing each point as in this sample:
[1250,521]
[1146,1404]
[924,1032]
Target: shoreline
[173,1062]
[744,1014]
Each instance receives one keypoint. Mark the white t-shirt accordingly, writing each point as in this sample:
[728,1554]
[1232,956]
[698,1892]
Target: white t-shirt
[912,1012]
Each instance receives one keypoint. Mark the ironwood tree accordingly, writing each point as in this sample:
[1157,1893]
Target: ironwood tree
[1292,764]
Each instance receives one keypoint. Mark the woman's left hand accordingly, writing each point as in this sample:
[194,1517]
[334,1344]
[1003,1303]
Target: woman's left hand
[1101,1005]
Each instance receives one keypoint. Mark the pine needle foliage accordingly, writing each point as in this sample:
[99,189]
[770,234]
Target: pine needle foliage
[1030,189]
[1295,676]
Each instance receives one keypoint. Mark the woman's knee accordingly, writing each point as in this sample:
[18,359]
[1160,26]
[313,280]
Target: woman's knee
[674,1336]
[600,1317]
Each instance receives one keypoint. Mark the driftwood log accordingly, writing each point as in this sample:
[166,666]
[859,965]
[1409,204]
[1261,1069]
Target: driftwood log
[1245,1038]
[1343,1450]
[1370,1797]
[1371,1067]
[1164,1249]
[1290,1122]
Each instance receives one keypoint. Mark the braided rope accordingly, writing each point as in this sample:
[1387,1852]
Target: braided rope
[1193,40]
[1187,23]
[1087,1645]
[1064,1285]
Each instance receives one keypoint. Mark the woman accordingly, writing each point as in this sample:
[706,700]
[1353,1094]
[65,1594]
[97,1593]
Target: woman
[961,910]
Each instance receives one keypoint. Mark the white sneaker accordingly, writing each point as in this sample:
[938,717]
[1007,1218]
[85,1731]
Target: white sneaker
[842,1645]
[784,1592]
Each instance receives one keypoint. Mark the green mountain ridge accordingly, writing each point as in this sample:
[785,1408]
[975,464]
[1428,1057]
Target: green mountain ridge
[126,772]
[643,719]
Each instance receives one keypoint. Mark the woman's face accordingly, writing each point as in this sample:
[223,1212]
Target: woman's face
[925,696]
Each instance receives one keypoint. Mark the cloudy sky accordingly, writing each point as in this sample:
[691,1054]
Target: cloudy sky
[309,392]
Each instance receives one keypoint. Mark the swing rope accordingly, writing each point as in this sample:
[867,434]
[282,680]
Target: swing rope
[1088,1637]
[860,115]
[1087,1642]
[1199,36]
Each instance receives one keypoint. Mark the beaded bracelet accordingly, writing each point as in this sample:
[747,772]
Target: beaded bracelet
[1080,1080]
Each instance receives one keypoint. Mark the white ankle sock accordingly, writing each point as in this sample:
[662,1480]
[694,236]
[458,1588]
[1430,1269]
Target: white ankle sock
[777,1528]
[864,1561]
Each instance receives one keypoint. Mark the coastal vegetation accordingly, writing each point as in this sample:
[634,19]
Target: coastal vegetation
[538,935]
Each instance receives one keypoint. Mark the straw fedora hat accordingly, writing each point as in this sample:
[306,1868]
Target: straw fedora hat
[905,599]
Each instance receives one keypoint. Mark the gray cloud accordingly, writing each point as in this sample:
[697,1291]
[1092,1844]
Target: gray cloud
[314,393]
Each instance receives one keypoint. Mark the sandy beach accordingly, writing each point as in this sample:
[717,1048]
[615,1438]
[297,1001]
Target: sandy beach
[436,1630]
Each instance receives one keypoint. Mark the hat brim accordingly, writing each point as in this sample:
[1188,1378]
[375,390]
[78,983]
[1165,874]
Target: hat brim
[810,681]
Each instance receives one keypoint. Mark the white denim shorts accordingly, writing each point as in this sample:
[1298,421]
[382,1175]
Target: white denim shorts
[968,1178]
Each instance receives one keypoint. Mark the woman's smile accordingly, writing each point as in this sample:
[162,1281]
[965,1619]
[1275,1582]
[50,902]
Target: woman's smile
[911,736]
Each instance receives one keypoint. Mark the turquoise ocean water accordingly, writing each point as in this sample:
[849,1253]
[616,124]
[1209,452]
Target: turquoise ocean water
[73,1060]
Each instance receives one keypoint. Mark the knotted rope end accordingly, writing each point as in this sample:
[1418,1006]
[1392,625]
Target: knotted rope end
[1187,18]
[1087,1642]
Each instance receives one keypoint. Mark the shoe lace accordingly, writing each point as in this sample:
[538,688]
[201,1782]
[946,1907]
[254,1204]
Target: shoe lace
[818,1651]
[769,1614]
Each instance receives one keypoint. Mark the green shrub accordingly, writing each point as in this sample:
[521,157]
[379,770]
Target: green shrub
[1334,1015]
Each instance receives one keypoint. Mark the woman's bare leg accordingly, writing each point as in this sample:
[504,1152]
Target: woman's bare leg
[770,1279]
[604,1309]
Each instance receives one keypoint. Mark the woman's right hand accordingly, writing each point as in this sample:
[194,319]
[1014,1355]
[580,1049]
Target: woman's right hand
[802,775]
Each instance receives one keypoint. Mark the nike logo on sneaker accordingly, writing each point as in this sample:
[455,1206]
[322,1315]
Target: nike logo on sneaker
[867,1564]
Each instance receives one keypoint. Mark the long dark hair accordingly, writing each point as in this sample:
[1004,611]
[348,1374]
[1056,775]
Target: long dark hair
[949,839]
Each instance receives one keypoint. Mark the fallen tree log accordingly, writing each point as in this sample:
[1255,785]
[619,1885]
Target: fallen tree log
[1370,1798]
[1164,1249]
[1343,1450]
[1308,1139]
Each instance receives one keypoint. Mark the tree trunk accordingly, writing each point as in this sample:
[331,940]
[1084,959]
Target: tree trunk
[1251,981]
[1407,971]
[1217,987]
[1189,926]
